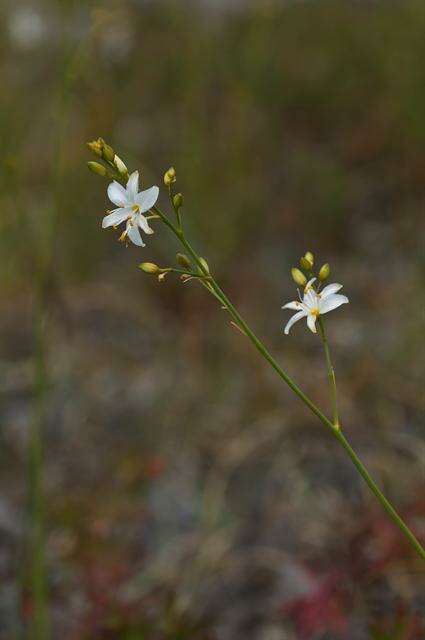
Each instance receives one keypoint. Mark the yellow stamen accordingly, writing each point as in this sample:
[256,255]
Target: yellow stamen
[315,312]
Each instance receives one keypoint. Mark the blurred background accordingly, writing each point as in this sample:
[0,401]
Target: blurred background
[158,481]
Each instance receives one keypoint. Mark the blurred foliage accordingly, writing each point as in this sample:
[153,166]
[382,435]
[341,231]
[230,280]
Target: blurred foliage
[280,119]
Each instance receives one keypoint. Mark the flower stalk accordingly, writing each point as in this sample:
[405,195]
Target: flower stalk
[312,306]
[258,344]
[331,372]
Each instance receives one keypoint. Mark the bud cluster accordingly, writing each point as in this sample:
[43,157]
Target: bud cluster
[303,274]
[112,166]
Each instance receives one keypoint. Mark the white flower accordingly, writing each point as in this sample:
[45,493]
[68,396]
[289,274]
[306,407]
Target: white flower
[315,304]
[131,204]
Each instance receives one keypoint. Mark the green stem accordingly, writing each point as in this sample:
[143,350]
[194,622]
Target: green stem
[392,513]
[378,493]
[39,624]
[331,372]
[186,273]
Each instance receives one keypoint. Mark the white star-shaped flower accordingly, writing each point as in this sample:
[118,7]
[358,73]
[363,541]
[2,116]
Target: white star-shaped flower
[131,205]
[314,304]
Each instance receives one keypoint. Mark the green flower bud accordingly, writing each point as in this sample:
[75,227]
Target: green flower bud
[183,261]
[122,169]
[204,264]
[298,276]
[108,153]
[97,168]
[324,272]
[96,147]
[178,200]
[306,264]
[150,267]
[169,176]
[309,256]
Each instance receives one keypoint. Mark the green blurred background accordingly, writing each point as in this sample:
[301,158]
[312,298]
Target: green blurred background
[187,493]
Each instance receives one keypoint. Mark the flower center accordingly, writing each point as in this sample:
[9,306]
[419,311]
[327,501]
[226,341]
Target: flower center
[136,208]
[315,312]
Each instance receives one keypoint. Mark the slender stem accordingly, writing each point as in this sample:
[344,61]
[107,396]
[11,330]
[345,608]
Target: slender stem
[39,626]
[187,273]
[378,493]
[217,291]
[331,372]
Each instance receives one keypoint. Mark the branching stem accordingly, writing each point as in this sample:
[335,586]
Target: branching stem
[334,426]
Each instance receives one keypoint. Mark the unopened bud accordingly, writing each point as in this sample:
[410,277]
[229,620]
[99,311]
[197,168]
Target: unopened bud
[204,263]
[178,200]
[183,260]
[108,153]
[122,169]
[97,168]
[169,176]
[298,276]
[149,267]
[324,272]
[306,264]
[96,147]
[309,256]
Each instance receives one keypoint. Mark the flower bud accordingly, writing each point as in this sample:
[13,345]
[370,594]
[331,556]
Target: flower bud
[204,264]
[298,276]
[178,201]
[149,267]
[169,176]
[96,147]
[97,168]
[306,264]
[324,272]
[122,169]
[309,256]
[183,261]
[108,153]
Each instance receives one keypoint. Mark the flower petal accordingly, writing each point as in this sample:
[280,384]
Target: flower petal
[117,194]
[292,305]
[146,199]
[134,234]
[143,224]
[133,186]
[332,302]
[329,289]
[295,318]
[311,322]
[310,299]
[116,217]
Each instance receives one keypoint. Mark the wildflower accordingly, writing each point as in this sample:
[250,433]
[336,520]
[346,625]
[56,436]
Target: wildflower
[314,304]
[131,204]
